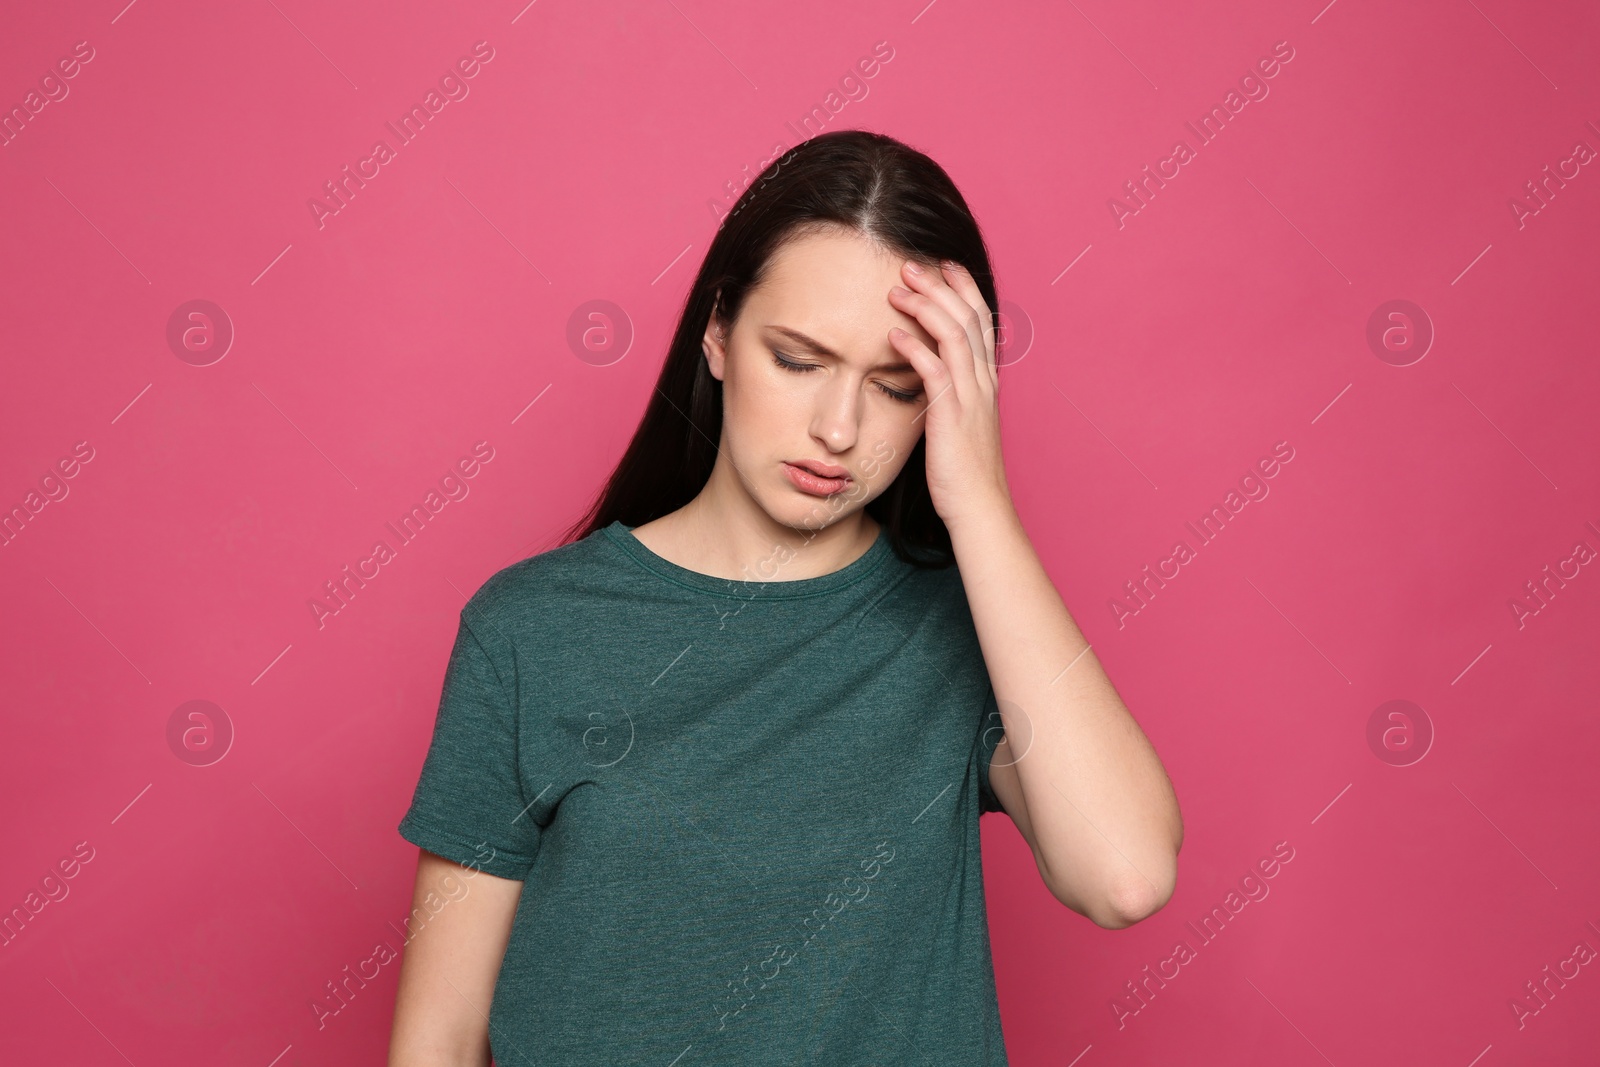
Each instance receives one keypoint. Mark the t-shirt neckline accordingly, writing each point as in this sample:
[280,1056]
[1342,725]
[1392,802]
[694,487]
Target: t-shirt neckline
[850,574]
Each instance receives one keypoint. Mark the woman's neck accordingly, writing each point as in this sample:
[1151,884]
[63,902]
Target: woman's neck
[747,544]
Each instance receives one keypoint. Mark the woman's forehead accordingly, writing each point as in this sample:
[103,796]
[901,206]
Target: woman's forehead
[833,287]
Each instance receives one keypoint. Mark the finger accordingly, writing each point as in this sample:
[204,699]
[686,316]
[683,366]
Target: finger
[960,279]
[941,312]
[972,323]
[936,378]
[934,285]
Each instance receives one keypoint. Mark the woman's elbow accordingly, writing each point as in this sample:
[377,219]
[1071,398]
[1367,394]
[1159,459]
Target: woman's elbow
[1129,901]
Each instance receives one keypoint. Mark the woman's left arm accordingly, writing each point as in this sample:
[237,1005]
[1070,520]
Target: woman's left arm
[1095,804]
[1075,772]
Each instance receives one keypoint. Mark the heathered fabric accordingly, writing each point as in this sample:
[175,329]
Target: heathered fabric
[745,814]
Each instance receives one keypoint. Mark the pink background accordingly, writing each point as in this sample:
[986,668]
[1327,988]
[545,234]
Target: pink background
[590,161]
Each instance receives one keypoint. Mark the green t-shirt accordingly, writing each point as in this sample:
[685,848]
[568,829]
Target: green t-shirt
[745,814]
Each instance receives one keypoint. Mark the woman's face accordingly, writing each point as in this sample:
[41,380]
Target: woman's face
[851,401]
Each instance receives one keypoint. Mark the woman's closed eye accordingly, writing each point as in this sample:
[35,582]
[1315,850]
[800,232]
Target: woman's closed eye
[801,368]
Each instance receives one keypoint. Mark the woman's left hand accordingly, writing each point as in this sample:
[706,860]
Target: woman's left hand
[966,475]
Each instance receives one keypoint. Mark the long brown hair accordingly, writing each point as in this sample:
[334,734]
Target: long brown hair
[867,182]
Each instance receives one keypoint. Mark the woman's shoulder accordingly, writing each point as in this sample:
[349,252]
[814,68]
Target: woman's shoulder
[927,597]
[538,581]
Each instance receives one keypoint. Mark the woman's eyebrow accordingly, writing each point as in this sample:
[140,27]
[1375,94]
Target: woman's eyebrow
[816,347]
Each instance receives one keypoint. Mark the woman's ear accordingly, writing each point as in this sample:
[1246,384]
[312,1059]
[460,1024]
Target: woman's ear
[714,344]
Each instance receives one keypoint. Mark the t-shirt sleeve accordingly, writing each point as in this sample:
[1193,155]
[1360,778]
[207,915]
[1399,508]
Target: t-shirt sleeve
[468,804]
[990,732]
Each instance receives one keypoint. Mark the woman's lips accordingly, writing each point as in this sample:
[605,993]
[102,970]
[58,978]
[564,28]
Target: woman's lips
[813,484]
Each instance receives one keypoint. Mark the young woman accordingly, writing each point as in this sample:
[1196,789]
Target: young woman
[705,780]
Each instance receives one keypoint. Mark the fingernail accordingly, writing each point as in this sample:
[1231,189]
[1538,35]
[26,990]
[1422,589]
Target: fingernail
[913,267]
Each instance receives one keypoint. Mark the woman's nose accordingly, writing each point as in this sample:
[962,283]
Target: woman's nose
[838,415]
